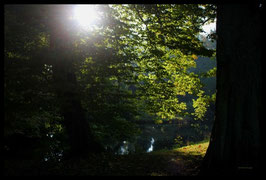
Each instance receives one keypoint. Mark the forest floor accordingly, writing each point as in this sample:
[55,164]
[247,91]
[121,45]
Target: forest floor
[184,161]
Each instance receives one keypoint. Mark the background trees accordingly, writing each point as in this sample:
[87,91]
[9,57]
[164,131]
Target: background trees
[90,86]
[55,76]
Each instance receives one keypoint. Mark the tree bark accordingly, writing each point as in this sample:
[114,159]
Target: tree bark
[236,141]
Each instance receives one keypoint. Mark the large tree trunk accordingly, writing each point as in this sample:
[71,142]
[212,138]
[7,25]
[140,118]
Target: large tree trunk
[80,137]
[236,141]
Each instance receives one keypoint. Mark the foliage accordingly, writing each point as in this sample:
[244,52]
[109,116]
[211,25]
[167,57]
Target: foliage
[32,83]
[178,141]
[163,43]
[134,64]
[29,102]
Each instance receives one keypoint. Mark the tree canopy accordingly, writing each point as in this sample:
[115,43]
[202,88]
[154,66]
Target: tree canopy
[136,59]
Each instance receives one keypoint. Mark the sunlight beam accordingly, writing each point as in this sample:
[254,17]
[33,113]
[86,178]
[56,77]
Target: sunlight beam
[86,15]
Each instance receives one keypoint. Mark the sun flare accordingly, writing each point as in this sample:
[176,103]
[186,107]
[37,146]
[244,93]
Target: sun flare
[86,15]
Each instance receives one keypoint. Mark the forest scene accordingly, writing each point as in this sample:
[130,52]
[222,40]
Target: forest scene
[132,89]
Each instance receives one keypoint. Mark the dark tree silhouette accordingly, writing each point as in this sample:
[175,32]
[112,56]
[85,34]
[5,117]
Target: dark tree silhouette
[236,141]
[79,133]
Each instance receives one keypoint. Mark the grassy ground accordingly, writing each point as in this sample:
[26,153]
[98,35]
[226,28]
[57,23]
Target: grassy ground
[183,161]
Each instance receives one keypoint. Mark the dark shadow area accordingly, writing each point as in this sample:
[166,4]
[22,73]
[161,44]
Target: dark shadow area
[164,164]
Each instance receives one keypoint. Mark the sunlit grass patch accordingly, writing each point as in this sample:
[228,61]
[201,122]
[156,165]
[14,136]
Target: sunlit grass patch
[195,149]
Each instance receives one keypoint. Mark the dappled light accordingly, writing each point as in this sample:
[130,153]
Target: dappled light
[114,89]
[130,89]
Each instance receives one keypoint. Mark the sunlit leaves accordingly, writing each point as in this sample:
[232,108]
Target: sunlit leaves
[162,41]
[210,73]
[200,105]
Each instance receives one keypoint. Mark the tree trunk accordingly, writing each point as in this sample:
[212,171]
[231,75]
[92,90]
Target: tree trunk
[78,130]
[236,141]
